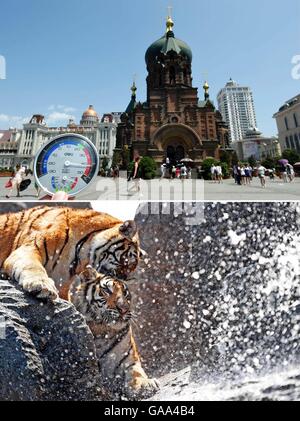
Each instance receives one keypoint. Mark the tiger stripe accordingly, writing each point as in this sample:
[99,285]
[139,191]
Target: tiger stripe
[60,242]
[106,305]
[119,337]
[78,249]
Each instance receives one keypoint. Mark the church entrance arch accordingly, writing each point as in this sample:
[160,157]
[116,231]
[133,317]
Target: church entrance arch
[176,141]
[175,154]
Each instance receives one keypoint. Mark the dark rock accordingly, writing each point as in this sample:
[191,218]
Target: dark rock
[46,350]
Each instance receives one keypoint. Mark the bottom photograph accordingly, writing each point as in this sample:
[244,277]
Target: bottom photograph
[149,301]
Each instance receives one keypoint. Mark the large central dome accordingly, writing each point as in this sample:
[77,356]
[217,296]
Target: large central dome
[168,43]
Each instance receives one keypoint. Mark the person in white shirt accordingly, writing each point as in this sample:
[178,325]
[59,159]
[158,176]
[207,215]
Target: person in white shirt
[163,170]
[262,175]
[213,173]
[183,172]
[290,172]
[17,180]
[219,173]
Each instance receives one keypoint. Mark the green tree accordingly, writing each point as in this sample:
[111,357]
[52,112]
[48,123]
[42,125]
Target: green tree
[270,162]
[226,157]
[291,155]
[117,159]
[252,161]
[125,154]
[206,167]
[235,159]
[104,163]
[225,169]
[148,168]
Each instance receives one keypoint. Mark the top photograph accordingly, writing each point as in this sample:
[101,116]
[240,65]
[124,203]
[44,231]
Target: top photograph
[150,101]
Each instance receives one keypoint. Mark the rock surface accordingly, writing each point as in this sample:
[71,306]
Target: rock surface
[46,351]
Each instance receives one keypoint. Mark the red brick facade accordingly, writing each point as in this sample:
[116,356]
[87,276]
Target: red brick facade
[172,122]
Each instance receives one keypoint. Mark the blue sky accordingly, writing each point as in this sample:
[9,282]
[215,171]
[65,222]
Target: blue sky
[63,55]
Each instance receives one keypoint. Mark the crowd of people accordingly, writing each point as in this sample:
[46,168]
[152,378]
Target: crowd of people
[217,173]
[181,172]
[243,174]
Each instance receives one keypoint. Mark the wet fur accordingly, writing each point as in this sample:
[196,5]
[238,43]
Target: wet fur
[44,248]
[108,316]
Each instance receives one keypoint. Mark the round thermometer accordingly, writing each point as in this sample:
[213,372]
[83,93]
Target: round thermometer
[67,163]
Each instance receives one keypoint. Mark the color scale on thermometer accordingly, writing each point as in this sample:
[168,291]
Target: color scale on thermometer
[67,163]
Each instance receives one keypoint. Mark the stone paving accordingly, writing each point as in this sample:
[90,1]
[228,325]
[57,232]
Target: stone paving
[187,190]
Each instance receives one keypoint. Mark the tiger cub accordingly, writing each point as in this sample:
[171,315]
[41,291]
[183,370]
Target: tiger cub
[44,248]
[106,305]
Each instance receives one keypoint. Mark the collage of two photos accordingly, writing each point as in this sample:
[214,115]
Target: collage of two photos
[150,242]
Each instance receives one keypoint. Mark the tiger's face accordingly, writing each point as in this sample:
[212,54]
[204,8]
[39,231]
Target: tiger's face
[117,251]
[102,299]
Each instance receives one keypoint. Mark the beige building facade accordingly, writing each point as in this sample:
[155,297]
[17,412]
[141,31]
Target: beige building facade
[288,123]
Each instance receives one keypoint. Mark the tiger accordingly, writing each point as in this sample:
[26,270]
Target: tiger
[44,248]
[105,304]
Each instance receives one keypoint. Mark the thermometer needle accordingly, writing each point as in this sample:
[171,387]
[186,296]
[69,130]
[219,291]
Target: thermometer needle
[73,164]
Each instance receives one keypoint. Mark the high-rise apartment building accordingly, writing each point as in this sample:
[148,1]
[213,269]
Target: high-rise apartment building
[237,108]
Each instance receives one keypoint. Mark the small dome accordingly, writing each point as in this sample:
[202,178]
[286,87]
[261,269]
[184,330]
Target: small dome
[90,112]
[253,132]
[89,117]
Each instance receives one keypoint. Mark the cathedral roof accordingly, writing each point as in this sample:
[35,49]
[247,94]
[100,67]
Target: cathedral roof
[132,104]
[206,103]
[168,43]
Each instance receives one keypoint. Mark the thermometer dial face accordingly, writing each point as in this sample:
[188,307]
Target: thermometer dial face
[66,163]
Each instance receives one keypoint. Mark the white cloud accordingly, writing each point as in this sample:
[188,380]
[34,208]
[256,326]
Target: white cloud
[13,121]
[60,114]
[59,117]
[62,108]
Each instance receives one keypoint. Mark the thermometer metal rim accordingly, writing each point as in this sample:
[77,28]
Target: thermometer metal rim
[55,139]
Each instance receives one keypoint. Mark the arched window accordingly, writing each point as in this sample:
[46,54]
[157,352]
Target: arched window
[172,75]
[180,153]
[185,76]
[160,79]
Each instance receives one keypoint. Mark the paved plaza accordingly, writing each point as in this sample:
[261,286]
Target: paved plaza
[177,190]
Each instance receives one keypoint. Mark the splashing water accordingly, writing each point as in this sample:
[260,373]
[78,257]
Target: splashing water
[231,309]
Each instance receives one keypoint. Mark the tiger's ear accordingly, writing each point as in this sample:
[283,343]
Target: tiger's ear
[89,274]
[128,230]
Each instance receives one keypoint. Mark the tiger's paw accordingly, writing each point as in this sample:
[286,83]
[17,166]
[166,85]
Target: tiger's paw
[42,288]
[143,388]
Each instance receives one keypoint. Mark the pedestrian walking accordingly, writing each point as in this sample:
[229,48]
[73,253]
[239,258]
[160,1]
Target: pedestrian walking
[136,175]
[262,175]
[16,181]
[219,174]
